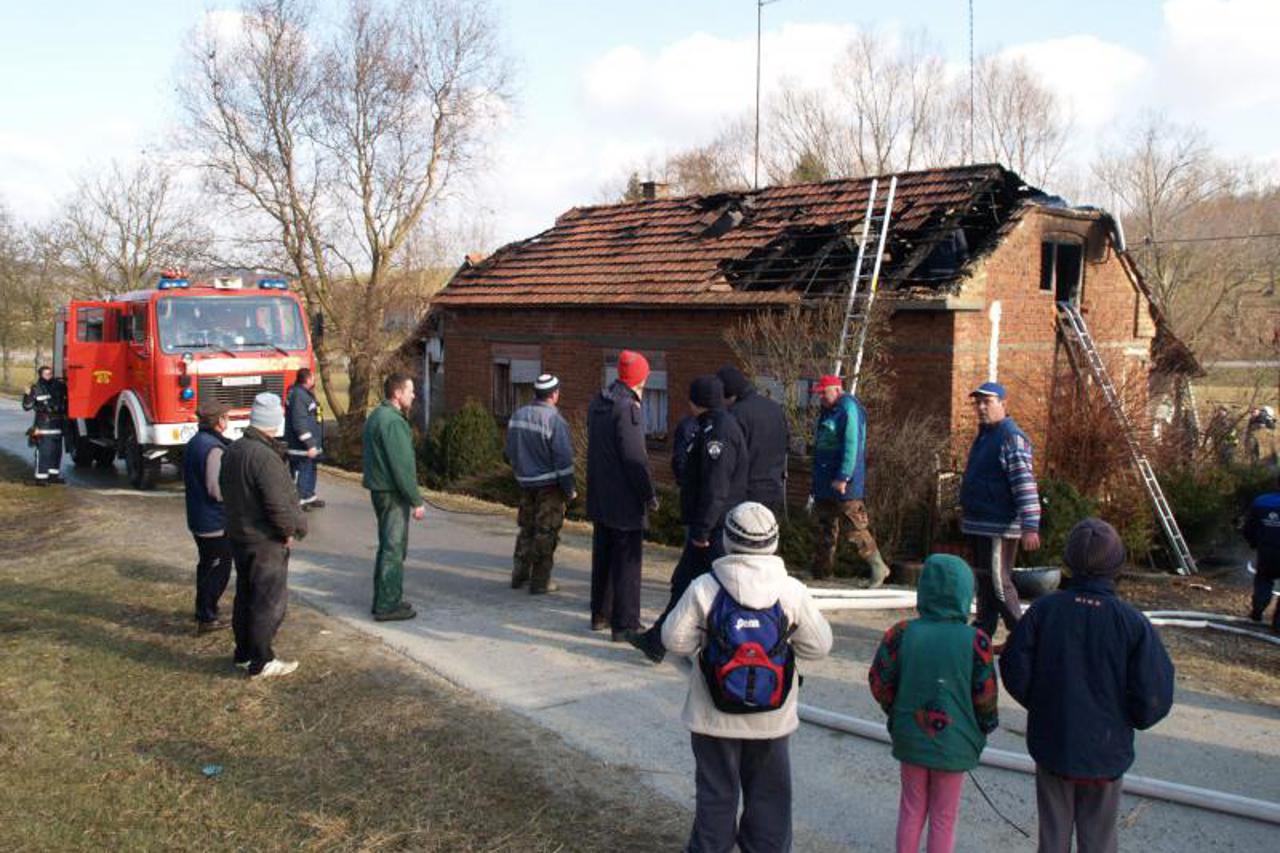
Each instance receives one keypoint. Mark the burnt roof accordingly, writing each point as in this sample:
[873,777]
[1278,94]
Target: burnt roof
[758,247]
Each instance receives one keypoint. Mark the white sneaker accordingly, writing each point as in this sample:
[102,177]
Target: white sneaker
[276,668]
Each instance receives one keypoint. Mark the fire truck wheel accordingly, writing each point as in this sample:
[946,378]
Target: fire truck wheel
[104,457]
[83,452]
[142,472]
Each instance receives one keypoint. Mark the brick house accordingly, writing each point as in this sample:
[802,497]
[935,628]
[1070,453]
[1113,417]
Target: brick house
[669,276]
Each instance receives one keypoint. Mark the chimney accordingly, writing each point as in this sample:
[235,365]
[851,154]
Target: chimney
[654,190]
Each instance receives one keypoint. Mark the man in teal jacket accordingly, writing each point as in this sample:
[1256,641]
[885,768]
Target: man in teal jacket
[391,476]
[839,481]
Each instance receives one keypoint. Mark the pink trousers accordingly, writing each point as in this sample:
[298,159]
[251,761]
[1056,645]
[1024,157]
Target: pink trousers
[933,795]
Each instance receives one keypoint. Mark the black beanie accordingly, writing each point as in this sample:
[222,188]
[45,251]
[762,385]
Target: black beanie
[707,392]
[1094,548]
[735,384]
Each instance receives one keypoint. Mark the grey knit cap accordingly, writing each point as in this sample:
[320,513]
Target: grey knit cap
[267,414]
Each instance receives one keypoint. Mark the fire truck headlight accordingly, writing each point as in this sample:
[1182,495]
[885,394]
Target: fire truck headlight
[188,393]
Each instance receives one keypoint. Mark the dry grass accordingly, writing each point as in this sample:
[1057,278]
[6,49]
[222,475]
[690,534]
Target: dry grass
[110,707]
[1219,663]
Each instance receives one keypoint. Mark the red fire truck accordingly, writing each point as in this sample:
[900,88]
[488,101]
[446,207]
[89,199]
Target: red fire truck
[137,365]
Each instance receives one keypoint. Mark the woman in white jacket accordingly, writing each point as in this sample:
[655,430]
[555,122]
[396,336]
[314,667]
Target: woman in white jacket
[744,752]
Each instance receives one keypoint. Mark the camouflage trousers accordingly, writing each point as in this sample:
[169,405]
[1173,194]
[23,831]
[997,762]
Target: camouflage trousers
[834,519]
[540,518]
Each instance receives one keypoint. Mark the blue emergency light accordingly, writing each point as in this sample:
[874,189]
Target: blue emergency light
[272,284]
[187,393]
[172,283]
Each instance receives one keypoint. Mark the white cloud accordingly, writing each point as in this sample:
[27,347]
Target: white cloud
[1095,79]
[1222,53]
[685,90]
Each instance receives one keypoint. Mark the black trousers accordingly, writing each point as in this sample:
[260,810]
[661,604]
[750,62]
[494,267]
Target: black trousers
[761,770]
[992,561]
[262,592]
[213,570]
[1268,572]
[48,453]
[694,563]
[615,576]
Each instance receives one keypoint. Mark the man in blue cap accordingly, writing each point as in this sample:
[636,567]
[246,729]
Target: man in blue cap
[1001,506]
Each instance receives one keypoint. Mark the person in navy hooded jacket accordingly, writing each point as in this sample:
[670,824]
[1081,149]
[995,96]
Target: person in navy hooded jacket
[1262,532]
[1090,669]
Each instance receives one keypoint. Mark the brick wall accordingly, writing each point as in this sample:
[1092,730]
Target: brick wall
[1032,362]
[937,357]
[574,344]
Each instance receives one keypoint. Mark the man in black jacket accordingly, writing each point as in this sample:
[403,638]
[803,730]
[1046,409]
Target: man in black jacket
[619,494]
[263,521]
[48,399]
[302,434]
[1089,669]
[714,482]
[764,425]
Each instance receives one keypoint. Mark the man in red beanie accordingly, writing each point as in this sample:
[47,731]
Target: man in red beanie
[619,494]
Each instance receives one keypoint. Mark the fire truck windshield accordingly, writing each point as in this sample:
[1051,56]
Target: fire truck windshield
[230,323]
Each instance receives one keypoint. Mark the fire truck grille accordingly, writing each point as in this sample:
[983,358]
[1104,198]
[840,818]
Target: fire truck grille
[236,395]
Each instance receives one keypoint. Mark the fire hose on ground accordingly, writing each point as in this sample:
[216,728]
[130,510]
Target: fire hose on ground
[1143,786]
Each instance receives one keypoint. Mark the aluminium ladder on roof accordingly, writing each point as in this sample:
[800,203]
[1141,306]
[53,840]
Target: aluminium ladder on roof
[857,312]
[1077,334]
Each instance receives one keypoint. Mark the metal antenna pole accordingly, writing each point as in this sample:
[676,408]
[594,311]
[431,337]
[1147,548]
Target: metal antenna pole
[760,4]
[971,84]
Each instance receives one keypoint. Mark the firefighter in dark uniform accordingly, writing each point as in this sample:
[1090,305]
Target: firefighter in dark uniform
[48,399]
[764,424]
[714,482]
[302,436]
[620,494]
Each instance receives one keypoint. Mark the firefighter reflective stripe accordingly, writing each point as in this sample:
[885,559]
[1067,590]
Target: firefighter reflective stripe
[304,436]
[46,432]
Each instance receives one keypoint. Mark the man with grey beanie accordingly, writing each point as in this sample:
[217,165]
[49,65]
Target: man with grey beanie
[1089,669]
[742,750]
[263,519]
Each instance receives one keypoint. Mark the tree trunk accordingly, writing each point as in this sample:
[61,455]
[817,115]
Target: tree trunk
[351,423]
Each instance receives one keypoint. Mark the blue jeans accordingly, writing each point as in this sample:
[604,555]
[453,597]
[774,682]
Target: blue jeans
[303,469]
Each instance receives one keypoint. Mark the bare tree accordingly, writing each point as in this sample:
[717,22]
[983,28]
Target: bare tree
[895,94]
[123,224]
[345,146]
[1178,199]
[1018,122]
[12,274]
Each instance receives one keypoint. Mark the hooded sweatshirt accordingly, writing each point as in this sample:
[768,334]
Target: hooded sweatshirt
[934,675]
[754,581]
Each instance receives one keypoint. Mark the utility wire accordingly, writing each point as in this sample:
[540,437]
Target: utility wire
[1266,235]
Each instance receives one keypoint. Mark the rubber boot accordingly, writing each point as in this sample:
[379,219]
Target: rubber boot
[879,571]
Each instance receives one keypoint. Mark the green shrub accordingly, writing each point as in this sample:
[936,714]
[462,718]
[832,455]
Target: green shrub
[1063,508]
[430,452]
[1202,500]
[470,443]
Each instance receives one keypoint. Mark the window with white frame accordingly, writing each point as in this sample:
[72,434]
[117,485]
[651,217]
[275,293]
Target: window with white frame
[654,402]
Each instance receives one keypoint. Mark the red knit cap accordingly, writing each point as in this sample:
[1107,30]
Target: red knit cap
[633,368]
[829,381]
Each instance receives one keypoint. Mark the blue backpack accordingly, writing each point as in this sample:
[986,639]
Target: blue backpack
[748,662]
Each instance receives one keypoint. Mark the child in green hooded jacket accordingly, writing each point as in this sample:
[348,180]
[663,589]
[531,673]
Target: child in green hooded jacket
[934,677]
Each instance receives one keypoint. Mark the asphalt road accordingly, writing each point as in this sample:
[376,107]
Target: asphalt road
[538,658]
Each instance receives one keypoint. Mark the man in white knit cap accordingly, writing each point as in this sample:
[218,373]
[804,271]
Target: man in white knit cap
[747,622]
[263,521]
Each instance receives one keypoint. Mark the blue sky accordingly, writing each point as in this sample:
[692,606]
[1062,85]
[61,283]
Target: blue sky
[603,85]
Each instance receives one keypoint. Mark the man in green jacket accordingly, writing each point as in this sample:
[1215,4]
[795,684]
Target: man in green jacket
[391,476]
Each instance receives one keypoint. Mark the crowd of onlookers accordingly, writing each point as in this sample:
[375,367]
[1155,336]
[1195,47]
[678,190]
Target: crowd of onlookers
[1089,668]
